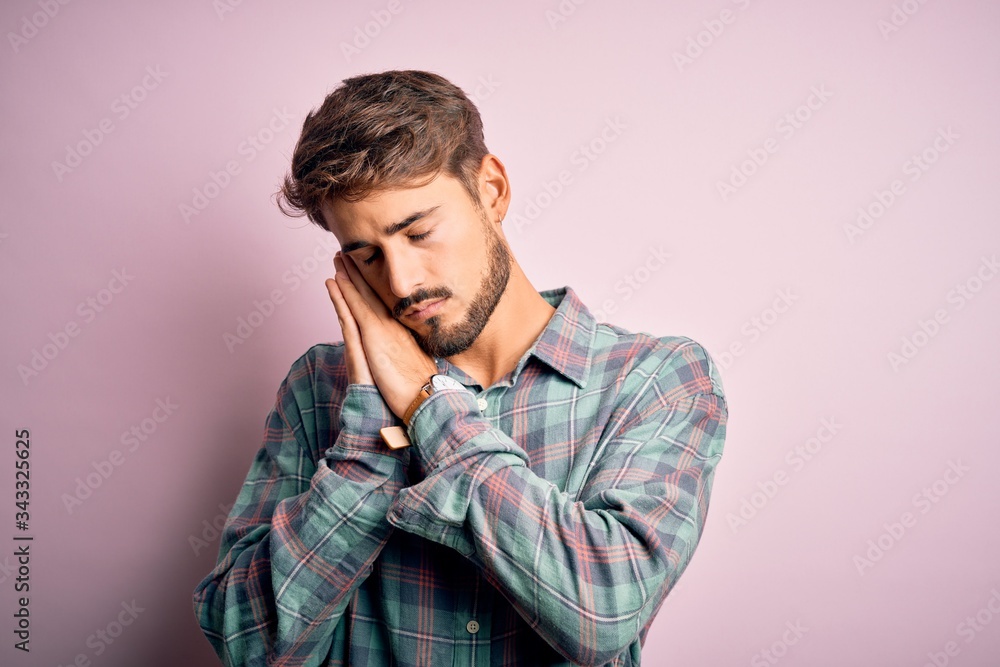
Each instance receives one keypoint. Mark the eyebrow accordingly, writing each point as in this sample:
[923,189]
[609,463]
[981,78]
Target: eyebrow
[391,229]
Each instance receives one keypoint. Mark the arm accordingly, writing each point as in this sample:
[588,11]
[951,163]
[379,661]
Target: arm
[588,573]
[301,536]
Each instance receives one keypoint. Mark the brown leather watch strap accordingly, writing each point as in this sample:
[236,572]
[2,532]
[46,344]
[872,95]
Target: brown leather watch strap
[425,392]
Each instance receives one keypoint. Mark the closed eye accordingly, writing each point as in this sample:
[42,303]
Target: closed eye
[415,237]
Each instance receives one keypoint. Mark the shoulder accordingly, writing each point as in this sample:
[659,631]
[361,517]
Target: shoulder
[319,373]
[321,355]
[679,366]
[311,395]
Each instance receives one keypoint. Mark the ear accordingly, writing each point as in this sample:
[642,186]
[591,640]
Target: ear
[494,188]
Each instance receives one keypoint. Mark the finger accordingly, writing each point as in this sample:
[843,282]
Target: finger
[359,312]
[355,351]
[349,292]
[348,325]
[361,287]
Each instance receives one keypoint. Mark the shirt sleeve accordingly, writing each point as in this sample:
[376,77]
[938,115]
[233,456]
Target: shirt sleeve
[302,535]
[589,571]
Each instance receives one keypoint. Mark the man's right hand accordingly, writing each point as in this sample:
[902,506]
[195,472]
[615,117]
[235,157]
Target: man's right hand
[358,371]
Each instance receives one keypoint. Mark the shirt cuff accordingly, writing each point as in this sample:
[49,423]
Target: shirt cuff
[460,448]
[362,414]
[444,421]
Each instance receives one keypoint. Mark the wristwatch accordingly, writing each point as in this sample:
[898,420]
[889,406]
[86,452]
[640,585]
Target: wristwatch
[395,436]
[436,383]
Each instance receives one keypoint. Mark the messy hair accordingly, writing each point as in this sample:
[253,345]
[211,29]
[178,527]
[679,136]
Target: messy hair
[381,131]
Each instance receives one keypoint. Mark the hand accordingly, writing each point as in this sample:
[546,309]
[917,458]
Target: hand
[358,371]
[380,350]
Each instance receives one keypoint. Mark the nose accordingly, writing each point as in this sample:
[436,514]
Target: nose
[404,271]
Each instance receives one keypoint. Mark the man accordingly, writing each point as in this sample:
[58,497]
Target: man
[481,473]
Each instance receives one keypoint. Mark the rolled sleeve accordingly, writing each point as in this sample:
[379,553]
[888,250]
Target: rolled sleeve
[458,447]
[363,413]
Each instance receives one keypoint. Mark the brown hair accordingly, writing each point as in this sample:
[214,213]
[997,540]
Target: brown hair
[378,131]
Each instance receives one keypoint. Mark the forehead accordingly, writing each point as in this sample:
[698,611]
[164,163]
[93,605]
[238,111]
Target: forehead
[351,221]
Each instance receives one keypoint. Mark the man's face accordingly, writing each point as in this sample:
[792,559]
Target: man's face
[448,252]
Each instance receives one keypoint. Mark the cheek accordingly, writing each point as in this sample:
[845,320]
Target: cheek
[378,285]
[470,276]
[447,274]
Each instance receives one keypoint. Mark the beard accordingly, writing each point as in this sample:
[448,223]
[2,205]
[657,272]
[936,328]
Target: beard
[441,341]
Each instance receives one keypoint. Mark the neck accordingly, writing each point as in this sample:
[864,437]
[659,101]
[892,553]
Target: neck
[519,318]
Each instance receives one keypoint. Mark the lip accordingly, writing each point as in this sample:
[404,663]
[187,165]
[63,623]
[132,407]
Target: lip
[428,310]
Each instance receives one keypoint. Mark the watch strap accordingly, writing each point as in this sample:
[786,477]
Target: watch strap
[394,436]
[424,393]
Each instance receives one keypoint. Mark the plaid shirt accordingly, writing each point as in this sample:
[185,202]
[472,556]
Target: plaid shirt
[541,521]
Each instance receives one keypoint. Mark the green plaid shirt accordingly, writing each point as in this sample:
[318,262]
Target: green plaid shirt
[539,521]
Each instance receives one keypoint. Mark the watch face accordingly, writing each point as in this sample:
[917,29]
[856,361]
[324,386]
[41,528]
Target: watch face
[439,382]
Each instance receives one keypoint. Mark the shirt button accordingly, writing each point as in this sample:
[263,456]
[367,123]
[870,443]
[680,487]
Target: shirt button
[472,627]
[482,403]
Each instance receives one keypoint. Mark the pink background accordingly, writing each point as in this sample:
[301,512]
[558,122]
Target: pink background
[545,87]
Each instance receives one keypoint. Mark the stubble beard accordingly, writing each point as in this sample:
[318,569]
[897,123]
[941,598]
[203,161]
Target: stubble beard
[440,342]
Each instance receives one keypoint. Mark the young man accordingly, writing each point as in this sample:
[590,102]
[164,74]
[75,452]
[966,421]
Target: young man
[481,473]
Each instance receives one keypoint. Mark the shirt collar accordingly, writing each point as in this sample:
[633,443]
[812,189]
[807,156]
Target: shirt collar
[566,343]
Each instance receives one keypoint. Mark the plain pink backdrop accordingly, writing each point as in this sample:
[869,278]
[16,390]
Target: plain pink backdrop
[801,313]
